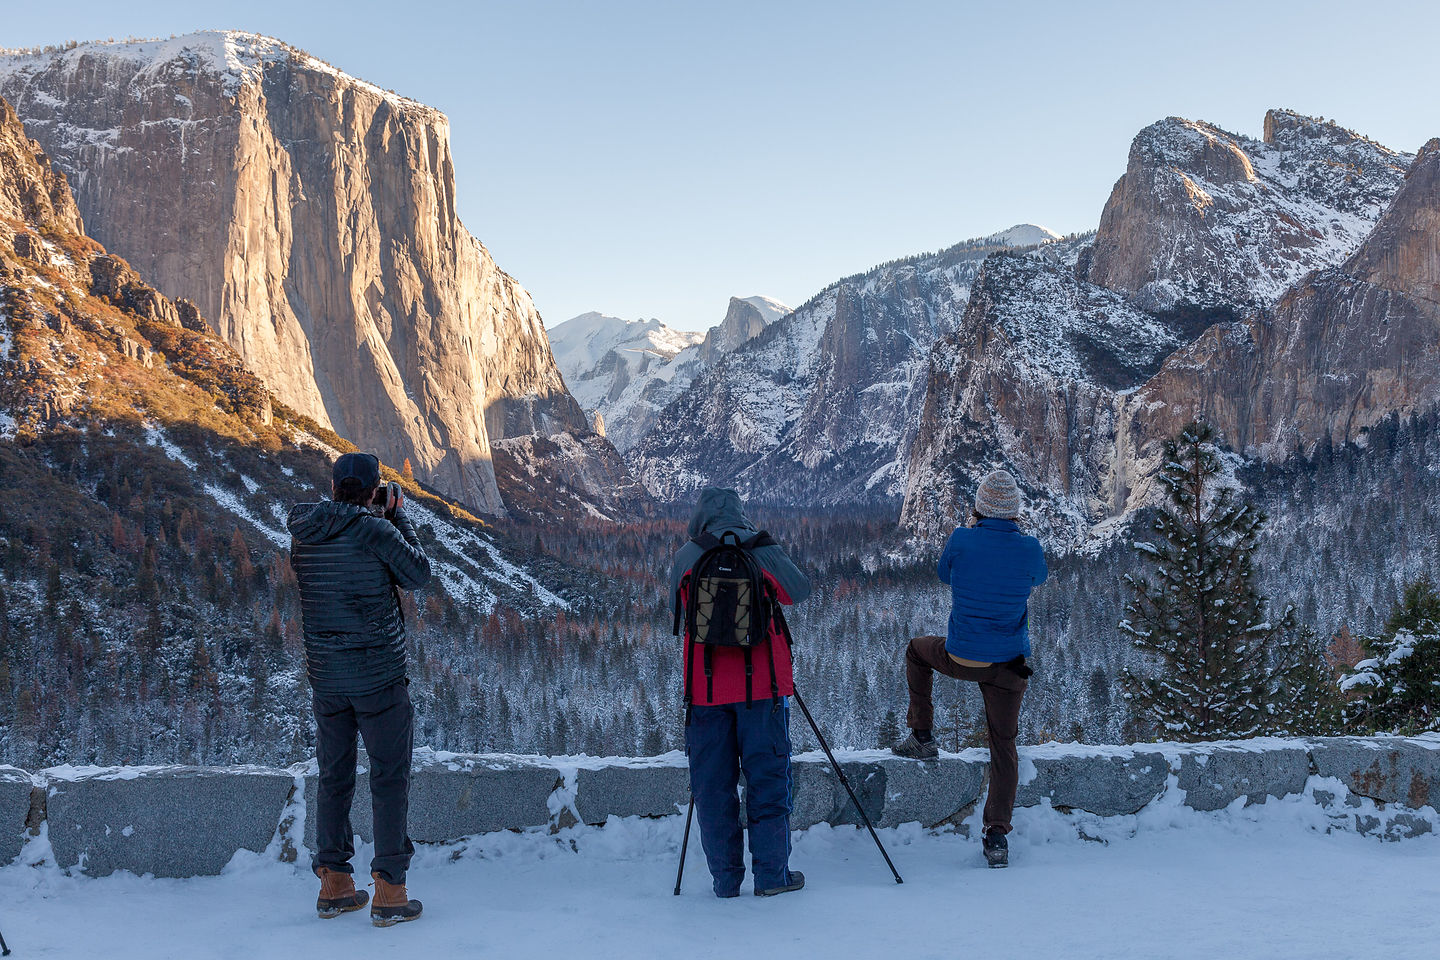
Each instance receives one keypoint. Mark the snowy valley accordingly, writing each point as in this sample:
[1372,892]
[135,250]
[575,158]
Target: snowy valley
[224,262]
[1238,279]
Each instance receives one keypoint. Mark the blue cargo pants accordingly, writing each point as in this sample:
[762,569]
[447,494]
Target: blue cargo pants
[721,741]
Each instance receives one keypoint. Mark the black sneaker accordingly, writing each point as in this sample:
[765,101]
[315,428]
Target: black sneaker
[914,749]
[997,849]
[797,882]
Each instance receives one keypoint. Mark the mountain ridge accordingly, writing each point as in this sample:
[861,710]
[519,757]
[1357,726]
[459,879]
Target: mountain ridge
[311,217]
[1086,454]
[820,407]
[626,372]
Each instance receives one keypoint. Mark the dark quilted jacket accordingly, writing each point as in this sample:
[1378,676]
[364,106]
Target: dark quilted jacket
[348,563]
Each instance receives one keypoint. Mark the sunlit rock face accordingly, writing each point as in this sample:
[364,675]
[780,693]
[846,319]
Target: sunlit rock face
[312,217]
[1206,217]
[1340,350]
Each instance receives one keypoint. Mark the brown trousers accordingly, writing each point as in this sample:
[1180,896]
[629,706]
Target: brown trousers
[1002,689]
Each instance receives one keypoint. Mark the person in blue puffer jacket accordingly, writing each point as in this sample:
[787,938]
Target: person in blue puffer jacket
[991,568]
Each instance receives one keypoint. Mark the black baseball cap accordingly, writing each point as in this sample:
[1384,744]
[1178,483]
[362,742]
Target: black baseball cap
[364,467]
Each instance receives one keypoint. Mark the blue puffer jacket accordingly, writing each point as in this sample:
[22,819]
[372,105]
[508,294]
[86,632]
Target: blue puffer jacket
[991,568]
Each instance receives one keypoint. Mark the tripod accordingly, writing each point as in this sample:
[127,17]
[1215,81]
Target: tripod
[840,775]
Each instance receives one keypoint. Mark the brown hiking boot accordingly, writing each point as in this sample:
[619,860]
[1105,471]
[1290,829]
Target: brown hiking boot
[338,894]
[392,904]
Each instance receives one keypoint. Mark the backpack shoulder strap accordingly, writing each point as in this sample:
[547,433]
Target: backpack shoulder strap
[761,539]
[706,541]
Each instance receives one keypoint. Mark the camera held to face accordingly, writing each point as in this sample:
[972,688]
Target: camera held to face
[387,497]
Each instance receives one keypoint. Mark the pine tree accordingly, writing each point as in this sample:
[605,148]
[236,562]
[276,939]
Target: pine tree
[407,471]
[1307,690]
[1221,660]
[654,742]
[1398,685]
[889,729]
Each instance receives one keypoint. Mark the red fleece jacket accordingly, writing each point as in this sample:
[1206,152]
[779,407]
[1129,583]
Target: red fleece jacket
[728,665]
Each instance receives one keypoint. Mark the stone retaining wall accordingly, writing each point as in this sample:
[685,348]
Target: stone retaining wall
[190,821]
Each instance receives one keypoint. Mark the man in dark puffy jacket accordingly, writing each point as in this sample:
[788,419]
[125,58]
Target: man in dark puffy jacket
[351,565]
[725,733]
[991,568]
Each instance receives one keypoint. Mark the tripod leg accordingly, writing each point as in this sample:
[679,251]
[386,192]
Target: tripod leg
[846,783]
[684,845]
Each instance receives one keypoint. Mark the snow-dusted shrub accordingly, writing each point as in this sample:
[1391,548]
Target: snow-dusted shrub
[1397,688]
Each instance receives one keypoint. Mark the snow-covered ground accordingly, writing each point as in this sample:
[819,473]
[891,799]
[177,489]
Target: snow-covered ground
[1259,882]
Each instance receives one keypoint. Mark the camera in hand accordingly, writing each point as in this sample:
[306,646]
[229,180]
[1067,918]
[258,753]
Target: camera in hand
[383,496]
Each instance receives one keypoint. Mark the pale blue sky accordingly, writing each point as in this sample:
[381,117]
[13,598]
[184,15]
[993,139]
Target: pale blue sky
[652,159]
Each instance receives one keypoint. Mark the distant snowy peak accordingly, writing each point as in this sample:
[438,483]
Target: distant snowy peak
[628,371]
[770,310]
[600,355]
[745,319]
[1022,235]
[581,342]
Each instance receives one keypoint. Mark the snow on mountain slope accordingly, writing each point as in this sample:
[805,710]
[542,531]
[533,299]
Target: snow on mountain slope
[600,356]
[1023,235]
[821,408]
[1075,386]
[628,371]
[770,310]
[1205,216]
[1030,382]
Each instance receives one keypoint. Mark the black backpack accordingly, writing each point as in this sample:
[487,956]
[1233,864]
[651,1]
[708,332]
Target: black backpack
[726,603]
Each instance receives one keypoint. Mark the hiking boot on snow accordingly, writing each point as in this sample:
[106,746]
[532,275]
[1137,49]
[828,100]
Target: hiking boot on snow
[338,894]
[913,748]
[997,849]
[392,904]
[797,881]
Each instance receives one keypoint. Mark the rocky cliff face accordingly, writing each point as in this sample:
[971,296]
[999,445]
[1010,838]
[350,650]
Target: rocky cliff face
[103,373]
[1030,382]
[1207,217]
[744,321]
[1082,423]
[30,190]
[1340,351]
[312,217]
[820,408]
